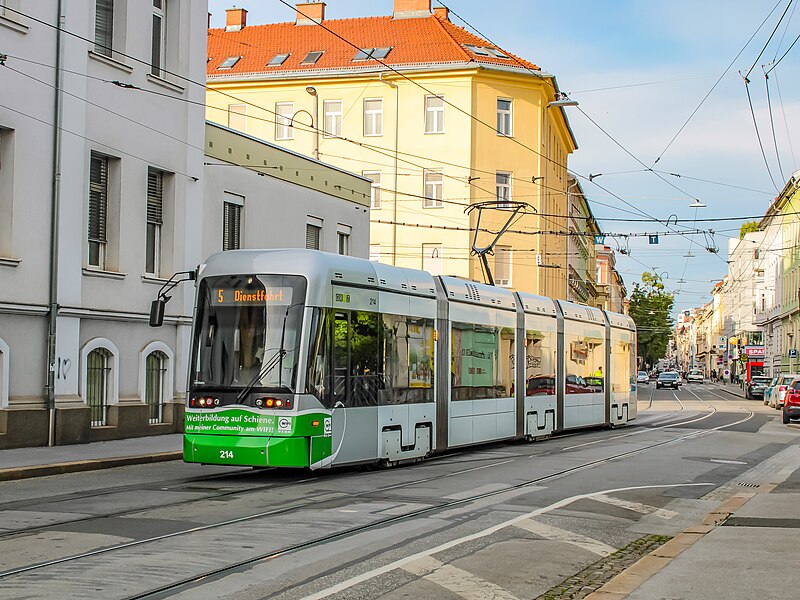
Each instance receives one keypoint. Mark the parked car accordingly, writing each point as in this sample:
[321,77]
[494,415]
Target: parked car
[669,379]
[756,386]
[695,375]
[643,377]
[791,402]
[776,399]
[577,385]
[770,389]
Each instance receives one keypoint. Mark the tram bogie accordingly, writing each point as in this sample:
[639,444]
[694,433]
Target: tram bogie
[310,360]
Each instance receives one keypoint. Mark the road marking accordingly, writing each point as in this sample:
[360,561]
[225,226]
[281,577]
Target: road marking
[644,509]
[556,534]
[728,462]
[458,581]
[401,563]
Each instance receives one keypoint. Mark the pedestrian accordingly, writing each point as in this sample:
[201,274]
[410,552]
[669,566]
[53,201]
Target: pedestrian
[598,373]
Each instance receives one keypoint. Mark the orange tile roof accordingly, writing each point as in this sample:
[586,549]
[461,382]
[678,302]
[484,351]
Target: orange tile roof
[414,41]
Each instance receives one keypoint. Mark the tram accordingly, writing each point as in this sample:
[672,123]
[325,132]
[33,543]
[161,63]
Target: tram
[306,359]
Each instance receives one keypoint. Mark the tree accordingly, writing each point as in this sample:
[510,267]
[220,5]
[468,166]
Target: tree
[747,228]
[650,309]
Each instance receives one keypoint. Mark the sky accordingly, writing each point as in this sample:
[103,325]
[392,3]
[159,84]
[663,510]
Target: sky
[639,70]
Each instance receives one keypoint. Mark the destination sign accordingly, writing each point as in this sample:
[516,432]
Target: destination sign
[238,297]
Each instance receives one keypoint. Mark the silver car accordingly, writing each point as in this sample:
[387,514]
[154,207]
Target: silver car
[779,393]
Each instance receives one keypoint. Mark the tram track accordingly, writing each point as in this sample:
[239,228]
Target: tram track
[347,532]
[434,461]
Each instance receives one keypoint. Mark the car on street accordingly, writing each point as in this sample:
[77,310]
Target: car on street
[770,389]
[791,402]
[643,377]
[670,379]
[756,386]
[777,396]
[695,375]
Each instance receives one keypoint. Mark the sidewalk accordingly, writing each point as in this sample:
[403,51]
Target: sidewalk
[21,463]
[731,388]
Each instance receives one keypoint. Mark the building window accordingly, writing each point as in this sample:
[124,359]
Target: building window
[373,116]
[284,129]
[333,118]
[237,117]
[502,265]
[312,58]
[433,189]
[375,252]
[434,114]
[159,48]
[97,383]
[228,63]
[343,239]
[232,222]
[503,189]
[154,376]
[104,27]
[98,210]
[155,220]
[277,60]
[6,185]
[504,117]
[312,236]
[433,258]
[371,53]
[375,189]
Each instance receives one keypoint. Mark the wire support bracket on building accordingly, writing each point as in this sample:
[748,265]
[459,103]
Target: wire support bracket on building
[517,208]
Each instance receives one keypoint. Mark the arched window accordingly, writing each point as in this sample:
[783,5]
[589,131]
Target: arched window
[4,374]
[154,378]
[98,367]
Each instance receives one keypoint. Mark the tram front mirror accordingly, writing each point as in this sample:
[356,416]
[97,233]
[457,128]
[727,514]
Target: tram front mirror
[157,311]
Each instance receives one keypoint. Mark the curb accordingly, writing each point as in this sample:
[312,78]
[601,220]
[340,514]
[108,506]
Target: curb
[727,391]
[78,466]
[646,567]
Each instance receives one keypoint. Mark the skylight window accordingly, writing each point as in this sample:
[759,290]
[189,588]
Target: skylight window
[229,62]
[477,50]
[311,58]
[371,53]
[277,60]
[496,53]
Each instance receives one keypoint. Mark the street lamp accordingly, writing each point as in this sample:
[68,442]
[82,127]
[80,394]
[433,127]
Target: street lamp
[312,91]
[562,100]
[697,204]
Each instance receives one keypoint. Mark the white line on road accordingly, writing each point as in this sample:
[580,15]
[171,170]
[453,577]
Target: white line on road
[644,509]
[557,534]
[401,563]
[458,581]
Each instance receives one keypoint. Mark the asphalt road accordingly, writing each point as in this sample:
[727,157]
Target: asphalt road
[504,521]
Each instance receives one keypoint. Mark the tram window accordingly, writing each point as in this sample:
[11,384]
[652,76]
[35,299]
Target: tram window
[407,352]
[364,376]
[481,365]
[341,334]
[540,363]
[318,377]
[621,344]
[584,357]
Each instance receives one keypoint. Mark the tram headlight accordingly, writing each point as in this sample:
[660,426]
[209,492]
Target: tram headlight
[268,402]
[204,402]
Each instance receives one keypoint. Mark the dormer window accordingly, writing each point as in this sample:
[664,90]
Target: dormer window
[229,62]
[277,60]
[311,58]
[371,53]
[479,51]
[496,53]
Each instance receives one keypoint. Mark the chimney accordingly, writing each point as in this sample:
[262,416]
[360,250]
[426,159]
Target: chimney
[310,13]
[442,12]
[411,9]
[235,19]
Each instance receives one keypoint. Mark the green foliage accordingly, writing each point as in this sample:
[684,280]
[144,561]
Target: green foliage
[650,309]
[747,228]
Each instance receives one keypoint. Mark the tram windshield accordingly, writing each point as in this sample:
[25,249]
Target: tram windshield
[248,331]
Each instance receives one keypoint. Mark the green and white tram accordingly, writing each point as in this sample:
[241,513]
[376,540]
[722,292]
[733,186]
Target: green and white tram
[302,358]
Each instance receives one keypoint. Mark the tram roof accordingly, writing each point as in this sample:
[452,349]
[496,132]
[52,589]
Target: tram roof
[533,304]
[621,321]
[461,290]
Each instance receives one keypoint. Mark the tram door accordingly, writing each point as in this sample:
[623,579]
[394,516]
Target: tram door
[356,382]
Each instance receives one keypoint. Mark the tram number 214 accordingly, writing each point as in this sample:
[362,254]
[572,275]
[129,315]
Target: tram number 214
[226,453]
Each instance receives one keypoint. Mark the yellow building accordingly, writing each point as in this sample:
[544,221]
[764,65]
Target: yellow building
[440,120]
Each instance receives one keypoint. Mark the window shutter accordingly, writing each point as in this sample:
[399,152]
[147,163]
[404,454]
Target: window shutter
[155,196]
[103,26]
[98,198]
[231,238]
[312,237]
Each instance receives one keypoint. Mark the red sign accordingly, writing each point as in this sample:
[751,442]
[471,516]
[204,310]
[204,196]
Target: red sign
[754,350]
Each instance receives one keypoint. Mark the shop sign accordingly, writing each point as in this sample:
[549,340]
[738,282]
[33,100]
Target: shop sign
[754,351]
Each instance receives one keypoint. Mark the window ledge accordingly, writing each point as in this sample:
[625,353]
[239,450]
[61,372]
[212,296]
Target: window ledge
[153,279]
[173,87]
[111,62]
[7,261]
[13,24]
[93,272]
